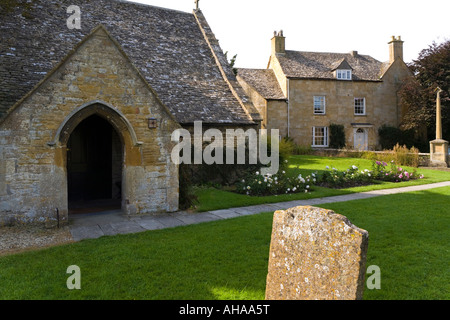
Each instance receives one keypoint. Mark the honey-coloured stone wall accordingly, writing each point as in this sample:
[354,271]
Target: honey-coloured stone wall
[95,78]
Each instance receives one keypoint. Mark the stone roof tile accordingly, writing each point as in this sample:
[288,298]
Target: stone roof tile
[263,81]
[318,65]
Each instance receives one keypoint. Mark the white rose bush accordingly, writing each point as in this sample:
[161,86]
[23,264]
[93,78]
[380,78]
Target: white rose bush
[258,184]
[280,183]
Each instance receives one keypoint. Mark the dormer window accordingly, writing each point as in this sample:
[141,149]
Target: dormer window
[342,70]
[343,74]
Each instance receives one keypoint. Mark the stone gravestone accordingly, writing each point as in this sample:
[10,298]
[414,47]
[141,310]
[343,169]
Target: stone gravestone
[315,254]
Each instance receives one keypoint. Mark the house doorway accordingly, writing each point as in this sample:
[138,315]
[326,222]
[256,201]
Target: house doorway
[94,167]
[360,139]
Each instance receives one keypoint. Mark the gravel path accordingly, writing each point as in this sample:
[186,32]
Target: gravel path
[17,239]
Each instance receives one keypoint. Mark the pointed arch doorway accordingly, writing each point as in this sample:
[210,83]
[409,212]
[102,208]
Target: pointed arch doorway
[96,120]
[94,167]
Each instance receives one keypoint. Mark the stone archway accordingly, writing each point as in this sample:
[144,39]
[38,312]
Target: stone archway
[102,117]
[114,117]
[94,167]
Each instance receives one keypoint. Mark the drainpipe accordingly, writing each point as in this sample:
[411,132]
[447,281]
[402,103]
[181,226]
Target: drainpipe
[288,107]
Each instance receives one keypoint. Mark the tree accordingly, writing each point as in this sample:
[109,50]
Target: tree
[418,96]
[232,62]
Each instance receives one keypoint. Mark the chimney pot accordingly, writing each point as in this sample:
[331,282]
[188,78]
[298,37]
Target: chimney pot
[395,49]
[278,43]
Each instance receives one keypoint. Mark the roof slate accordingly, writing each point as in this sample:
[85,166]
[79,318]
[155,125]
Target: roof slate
[318,65]
[166,46]
[263,81]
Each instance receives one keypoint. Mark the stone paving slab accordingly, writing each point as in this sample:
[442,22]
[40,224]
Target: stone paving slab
[86,232]
[169,221]
[225,213]
[290,204]
[126,227]
[244,211]
[256,209]
[150,224]
[89,219]
[194,218]
[107,229]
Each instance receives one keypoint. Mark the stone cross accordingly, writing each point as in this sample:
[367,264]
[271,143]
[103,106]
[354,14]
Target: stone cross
[438,147]
[438,115]
[315,254]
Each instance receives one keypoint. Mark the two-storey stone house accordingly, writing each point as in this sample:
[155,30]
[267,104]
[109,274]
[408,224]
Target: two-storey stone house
[303,93]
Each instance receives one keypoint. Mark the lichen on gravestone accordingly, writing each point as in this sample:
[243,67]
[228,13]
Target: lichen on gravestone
[315,254]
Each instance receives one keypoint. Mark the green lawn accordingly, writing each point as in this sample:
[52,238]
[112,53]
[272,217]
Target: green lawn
[213,199]
[408,240]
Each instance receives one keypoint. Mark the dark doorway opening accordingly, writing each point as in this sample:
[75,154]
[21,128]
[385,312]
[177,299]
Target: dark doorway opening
[94,167]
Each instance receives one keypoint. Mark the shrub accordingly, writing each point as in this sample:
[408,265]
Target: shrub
[381,171]
[350,177]
[406,157]
[263,185]
[401,155]
[391,172]
[221,174]
[303,150]
[369,155]
[391,136]
[337,136]
[287,148]
[187,198]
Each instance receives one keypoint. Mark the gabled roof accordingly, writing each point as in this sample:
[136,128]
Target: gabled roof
[263,81]
[341,65]
[318,65]
[168,48]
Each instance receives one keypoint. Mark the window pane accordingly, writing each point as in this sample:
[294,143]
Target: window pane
[319,105]
[344,74]
[320,136]
[360,106]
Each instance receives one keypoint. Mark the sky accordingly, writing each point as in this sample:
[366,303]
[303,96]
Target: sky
[245,27]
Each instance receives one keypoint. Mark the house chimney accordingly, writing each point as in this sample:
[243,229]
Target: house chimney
[395,49]
[278,43]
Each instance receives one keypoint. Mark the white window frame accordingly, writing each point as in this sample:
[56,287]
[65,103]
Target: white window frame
[319,136]
[319,101]
[344,74]
[355,106]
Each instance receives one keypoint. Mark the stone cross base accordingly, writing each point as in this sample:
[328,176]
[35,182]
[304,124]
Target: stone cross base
[439,153]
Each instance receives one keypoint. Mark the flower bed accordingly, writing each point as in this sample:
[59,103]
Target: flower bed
[281,183]
[392,172]
[354,177]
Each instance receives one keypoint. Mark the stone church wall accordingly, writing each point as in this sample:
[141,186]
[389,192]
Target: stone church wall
[96,78]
